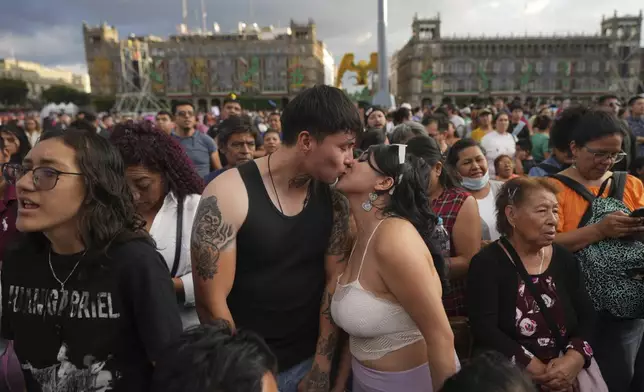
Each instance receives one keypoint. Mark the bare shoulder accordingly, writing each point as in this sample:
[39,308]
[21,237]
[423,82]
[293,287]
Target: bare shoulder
[228,193]
[397,241]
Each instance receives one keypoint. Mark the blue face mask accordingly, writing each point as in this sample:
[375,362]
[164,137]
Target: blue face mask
[475,184]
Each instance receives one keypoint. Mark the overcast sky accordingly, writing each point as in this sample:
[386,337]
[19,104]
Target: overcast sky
[50,32]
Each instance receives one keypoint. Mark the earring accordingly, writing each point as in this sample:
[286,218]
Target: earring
[368,205]
[574,164]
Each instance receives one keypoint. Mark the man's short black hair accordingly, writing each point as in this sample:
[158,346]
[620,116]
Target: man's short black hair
[489,372]
[182,103]
[83,125]
[231,98]
[322,111]
[105,117]
[211,358]
[163,112]
[440,119]
[606,97]
[234,125]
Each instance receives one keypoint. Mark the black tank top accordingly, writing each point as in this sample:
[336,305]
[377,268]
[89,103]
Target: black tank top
[280,275]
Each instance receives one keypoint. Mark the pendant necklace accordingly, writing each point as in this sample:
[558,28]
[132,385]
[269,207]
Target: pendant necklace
[62,283]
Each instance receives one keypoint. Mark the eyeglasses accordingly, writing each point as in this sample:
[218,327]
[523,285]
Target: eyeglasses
[185,114]
[402,151]
[601,156]
[43,178]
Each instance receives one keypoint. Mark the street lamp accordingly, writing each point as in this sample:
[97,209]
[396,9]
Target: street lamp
[383,97]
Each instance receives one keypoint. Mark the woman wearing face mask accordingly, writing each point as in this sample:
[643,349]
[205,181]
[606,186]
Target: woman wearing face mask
[375,117]
[166,191]
[86,275]
[388,298]
[499,141]
[468,161]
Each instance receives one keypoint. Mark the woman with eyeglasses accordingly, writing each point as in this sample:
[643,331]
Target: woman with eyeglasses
[388,298]
[594,222]
[86,277]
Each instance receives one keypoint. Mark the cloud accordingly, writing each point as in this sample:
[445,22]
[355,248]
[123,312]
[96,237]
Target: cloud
[536,7]
[51,32]
[53,45]
[363,38]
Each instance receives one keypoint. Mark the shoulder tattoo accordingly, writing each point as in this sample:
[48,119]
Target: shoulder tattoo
[210,235]
[339,242]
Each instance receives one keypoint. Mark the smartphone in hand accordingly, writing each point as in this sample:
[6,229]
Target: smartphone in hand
[638,213]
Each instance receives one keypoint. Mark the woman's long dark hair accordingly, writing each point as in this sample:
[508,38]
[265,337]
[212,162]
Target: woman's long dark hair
[14,129]
[107,214]
[428,149]
[409,199]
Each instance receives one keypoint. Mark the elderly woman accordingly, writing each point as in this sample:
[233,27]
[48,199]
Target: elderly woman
[526,296]
[166,191]
[595,204]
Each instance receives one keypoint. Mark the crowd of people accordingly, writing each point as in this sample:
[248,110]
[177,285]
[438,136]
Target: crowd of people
[331,246]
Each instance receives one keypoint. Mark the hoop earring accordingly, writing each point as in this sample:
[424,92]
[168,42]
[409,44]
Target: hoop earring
[368,205]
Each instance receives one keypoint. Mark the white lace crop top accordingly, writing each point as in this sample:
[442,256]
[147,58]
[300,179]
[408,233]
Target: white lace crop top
[376,326]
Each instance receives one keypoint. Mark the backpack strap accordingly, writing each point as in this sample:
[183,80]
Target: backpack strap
[179,239]
[581,191]
[548,168]
[619,183]
[575,186]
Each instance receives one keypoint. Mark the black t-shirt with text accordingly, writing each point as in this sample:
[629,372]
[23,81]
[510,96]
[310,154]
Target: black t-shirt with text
[103,331]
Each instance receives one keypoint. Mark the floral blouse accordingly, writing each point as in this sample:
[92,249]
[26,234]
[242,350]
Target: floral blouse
[536,340]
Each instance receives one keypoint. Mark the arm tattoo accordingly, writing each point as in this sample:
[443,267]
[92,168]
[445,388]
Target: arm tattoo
[339,243]
[327,344]
[210,235]
[318,381]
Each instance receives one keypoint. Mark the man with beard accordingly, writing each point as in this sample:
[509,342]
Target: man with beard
[236,142]
[268,237]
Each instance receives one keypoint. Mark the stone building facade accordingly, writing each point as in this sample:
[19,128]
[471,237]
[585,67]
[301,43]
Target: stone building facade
[267,63]
[430,67]
[39,77]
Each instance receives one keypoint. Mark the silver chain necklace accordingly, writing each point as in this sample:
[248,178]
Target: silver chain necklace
[62,283]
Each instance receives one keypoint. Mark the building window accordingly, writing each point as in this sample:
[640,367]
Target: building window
[497,67]
[446,85]
[595,67]
[511,68]
[553,66]
[468,68]
[539,67]
[581,66]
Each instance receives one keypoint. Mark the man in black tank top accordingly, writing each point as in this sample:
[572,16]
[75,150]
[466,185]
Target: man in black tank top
[269,234]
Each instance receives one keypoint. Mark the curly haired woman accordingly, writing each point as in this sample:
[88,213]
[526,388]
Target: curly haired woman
[166,190]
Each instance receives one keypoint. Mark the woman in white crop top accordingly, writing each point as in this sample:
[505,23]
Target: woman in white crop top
[388,299]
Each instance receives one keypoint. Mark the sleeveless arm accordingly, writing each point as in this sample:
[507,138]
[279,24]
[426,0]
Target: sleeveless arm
[337,251]
[408,271]
[213,245]
[466,236]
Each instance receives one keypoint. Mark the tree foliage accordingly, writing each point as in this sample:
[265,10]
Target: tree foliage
[64,94]
[13,91]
